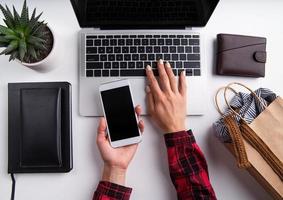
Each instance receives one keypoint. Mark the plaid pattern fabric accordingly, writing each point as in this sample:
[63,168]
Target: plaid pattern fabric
[188,171]
[111,191]
[188,168]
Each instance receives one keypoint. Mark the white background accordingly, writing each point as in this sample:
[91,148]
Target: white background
[148,173]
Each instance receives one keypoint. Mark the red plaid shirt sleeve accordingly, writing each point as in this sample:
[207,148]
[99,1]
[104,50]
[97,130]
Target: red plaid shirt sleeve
[188,168]
[111,191]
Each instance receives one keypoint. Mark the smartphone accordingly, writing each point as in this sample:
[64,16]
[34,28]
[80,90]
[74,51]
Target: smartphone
[119,111]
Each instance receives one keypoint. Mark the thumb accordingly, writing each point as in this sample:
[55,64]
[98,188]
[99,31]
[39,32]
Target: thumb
[101,130]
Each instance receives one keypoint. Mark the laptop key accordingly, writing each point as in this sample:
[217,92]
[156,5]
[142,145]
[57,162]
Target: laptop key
[167,56]
[119,57]
[113,42]
[173,49]
[91,50]
[137,72]
[111,57]
[158,56]
[131,65]
[156,49]
[89,42]
[129,42]
[137,42]
[107,65]
[105,42]
[121,42]
[196,72]
[115,65]
[97,42]
[101,49]
[145,42]
[175,57]
[123,65]
[181,49]
[109,49]
[149,49]
[135,56]
[97,73]
[125,50]
[196,49]
[141,49]
[89,73]
[92,58]
[184,42]
[188,49]
[183,57]
[139,65]
[117,49]
[194,42]
[151,57]
[152,42]
[127,57]
[165,49]
[146,64]
[105,72]
[193,56]
[154,65]
[103,57]
[179,64]
[114,72]
[168,42]
[133,50]
[160,42]
[192,64]
[179,71]
[172,64]
[189,72]
[176,41]
[143,57]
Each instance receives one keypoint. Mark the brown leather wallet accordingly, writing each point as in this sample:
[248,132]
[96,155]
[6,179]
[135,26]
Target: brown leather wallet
[240,55]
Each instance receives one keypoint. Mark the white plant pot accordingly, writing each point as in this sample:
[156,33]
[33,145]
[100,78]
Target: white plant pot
[47,63]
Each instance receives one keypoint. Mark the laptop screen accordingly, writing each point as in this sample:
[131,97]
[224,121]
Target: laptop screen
[143,13]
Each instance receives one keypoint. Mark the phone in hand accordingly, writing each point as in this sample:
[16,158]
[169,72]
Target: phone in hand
[119,111]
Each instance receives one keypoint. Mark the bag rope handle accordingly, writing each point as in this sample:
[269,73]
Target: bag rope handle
[216,98]
[252,92]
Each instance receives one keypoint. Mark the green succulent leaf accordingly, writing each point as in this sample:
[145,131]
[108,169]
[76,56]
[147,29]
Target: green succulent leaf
[22,49]
[32,52]
[33,39]
[3,39]
[6,31]
[8,16]
[16,18]
[11,37]
[24,15]
[13,55]
[11,47]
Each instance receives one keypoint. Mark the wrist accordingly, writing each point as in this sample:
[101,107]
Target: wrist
[114,174]
[174,129]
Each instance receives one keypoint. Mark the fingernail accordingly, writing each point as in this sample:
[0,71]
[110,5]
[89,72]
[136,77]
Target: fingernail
[147,89]
[148,67]
[160,61]
[168,64]
[184,73]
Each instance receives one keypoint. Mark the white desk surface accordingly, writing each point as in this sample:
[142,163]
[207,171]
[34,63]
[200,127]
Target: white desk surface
[148,173]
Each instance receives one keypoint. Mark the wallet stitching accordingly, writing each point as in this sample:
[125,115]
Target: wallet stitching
[240,47]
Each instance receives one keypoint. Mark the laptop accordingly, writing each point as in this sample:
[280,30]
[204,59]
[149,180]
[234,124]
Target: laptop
[120,37]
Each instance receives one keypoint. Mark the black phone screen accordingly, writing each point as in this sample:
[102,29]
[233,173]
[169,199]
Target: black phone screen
[120,113]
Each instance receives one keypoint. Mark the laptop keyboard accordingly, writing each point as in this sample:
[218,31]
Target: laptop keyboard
[128,55]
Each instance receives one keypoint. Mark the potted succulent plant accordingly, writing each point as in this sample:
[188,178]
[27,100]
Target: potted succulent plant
[26,39]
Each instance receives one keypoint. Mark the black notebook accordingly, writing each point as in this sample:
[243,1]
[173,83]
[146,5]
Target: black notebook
[40,128]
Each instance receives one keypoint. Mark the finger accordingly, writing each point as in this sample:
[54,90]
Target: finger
[141,126]
[163,77]
[101,130]
[182,84]
[138,110]
[153,84]
[172,78]
[149,100]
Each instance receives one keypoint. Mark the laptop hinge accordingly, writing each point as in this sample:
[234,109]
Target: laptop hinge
[189,28]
